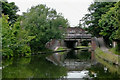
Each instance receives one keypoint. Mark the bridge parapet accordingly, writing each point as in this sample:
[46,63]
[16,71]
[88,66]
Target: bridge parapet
[78,36]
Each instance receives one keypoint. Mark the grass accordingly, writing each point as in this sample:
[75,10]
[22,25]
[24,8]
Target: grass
[113,50]
[82,46]
[111,67]
[60,49]
[109,57]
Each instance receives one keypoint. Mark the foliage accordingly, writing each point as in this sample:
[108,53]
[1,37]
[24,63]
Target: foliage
[96,9]
[10,9]
[110,24]
[118,20]
[22,40]
[61,48]
[43,23]
[14,39]
[3,0]
[114,50]
[6,37]
[98,72]
[30,32]
[84,55]
[107,56]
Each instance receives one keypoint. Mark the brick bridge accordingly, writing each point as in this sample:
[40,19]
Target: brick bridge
[73,37]
[75,33]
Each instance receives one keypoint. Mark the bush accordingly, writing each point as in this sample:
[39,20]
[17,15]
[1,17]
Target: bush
[7,52]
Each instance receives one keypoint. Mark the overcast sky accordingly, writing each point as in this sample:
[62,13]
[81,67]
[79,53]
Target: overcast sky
[73,10]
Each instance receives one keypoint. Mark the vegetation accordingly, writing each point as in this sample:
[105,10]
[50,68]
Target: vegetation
[111,67]
[113,50]
[110,24]
[83,46]
[99,73]
[104,20]
[10,9]
[107,56]
[91,19]
[43,23]
[14,39]
[84,55]
[60,48]
[29,33]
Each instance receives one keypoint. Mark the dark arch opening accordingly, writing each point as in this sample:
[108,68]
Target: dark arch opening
[70,44]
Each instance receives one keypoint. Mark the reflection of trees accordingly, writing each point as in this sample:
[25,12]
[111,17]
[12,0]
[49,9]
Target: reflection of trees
[101,73]
[71,55]
[84,55]
[18,69]
[34,67]
[7,62]
[44,69]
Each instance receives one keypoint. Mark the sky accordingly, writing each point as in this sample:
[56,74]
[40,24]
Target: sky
[73,10]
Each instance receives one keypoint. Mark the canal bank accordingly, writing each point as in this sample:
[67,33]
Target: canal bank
[103,52]
[113,68]
[113,59]
[70,64]
[75,64]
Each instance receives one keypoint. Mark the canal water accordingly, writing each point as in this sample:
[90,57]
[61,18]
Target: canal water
[69,65]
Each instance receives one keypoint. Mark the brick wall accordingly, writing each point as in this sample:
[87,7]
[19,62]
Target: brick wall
[93,44]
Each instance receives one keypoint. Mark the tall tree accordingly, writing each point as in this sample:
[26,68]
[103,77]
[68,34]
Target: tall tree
[15,39]
[118,20]
[110,24]
[43,23]
[96,9]
[10,9]
[6,37]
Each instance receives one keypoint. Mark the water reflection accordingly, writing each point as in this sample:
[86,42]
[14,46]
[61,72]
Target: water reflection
[77,74]
[71,64]
[34,67]
[102,72]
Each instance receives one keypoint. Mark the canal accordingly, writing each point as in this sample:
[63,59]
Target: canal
[72,64]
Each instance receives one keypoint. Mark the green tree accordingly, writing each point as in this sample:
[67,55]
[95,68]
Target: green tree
[15,39]
[118,20]
[110,24]
[6,37]
[10,9]
[22,39]
[43,23]
[96,9]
